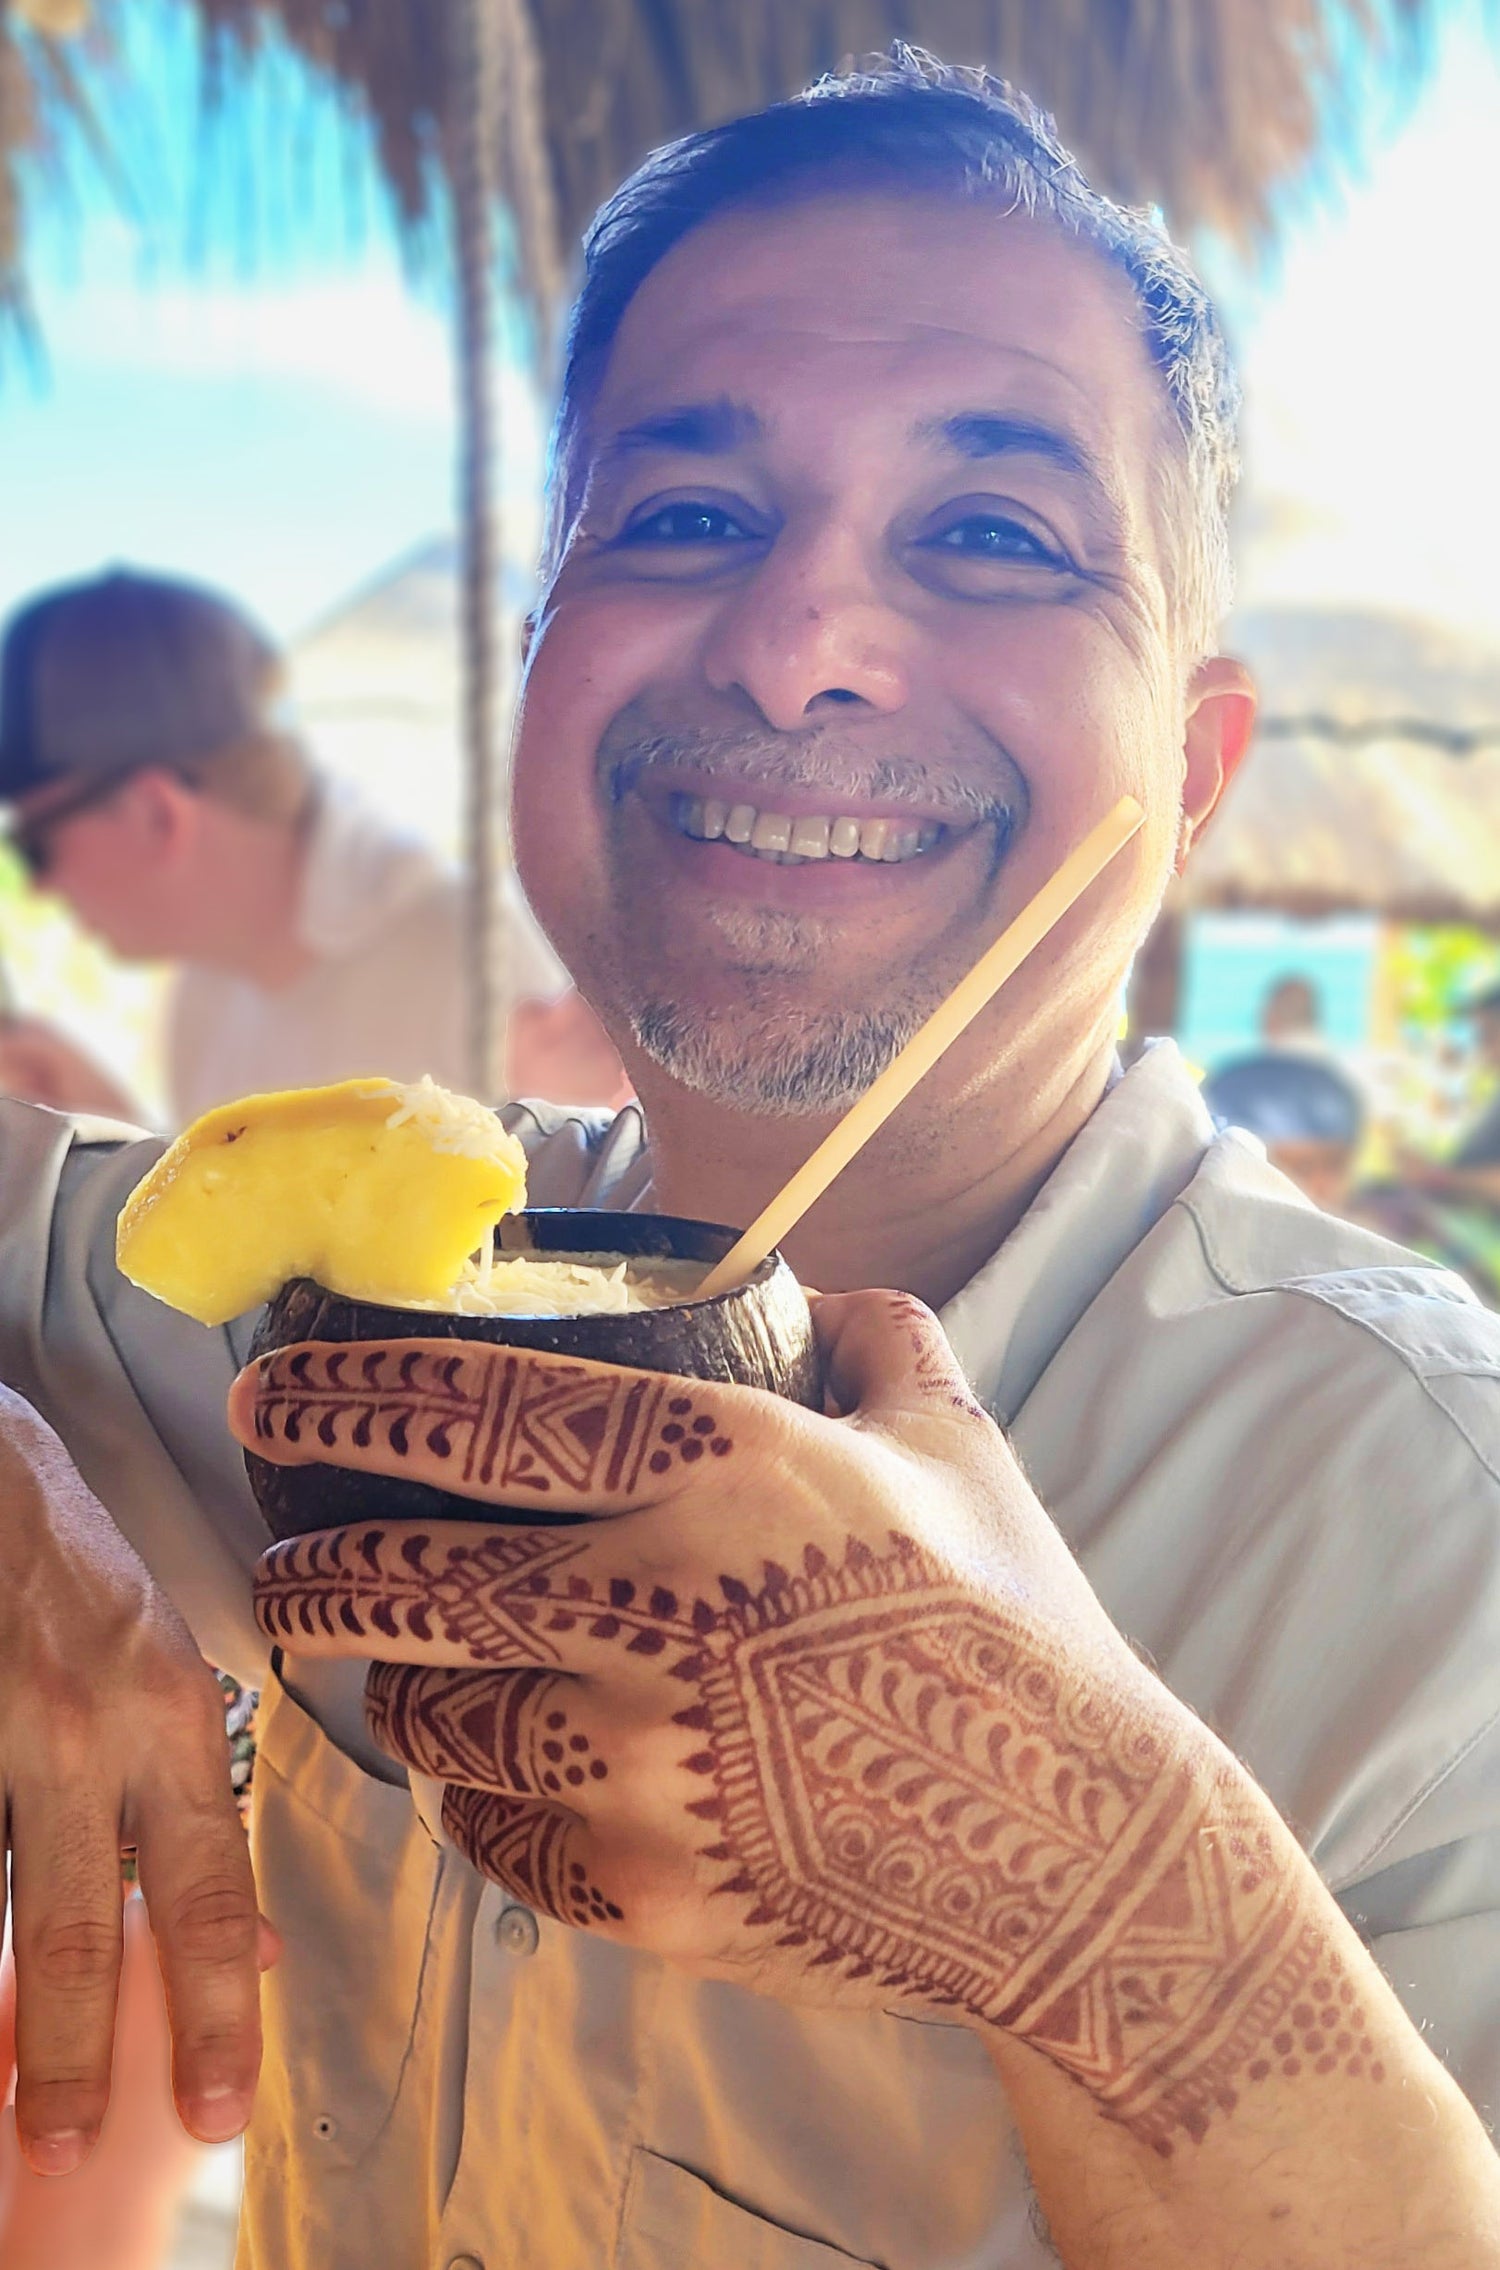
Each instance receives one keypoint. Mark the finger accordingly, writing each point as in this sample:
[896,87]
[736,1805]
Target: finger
[65,1887]
[200,1896]
[506,1425]
[521,1733]
[887,1354]
[459,1594]
[543,1854]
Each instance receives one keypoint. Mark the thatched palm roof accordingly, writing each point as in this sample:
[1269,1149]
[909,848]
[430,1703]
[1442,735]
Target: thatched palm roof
[1374,784]
[1209,108]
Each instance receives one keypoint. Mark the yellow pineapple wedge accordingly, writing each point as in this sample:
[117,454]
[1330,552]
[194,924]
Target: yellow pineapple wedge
[379,1191]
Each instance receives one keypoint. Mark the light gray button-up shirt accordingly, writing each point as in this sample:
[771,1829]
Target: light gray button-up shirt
[1274,1443]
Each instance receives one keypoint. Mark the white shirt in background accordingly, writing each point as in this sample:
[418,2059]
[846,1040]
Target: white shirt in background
[385,918]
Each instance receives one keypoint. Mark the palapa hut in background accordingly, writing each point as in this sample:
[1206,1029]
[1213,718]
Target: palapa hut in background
[1374,786]
[1211,109]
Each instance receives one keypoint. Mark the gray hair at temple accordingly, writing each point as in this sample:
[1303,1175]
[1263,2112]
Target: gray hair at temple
[919,124]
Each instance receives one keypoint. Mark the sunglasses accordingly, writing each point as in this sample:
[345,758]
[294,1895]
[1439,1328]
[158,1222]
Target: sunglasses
[33,838]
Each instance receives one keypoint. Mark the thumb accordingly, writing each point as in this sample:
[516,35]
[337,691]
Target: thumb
[886,1352]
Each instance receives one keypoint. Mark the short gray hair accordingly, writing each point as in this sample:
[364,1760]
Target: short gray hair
[911,121]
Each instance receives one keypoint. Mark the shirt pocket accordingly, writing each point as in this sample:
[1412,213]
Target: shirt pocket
[349,1877]
[675,2221]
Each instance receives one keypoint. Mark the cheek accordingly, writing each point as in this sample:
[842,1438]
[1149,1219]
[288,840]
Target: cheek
[598,649]
[1084,721]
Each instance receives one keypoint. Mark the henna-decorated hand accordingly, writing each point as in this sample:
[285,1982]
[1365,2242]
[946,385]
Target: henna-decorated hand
[824,1705]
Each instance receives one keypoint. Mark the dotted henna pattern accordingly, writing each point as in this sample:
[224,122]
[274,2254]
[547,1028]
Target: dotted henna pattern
[490,1421]
[527,1848]
[891,1777]
[512,1735]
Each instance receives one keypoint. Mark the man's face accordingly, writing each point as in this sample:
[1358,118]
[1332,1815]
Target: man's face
[95,858]
[870,551]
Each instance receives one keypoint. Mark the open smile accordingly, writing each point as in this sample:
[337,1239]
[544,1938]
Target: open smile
[792,839]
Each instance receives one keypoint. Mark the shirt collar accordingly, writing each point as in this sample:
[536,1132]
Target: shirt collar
[1132,1159]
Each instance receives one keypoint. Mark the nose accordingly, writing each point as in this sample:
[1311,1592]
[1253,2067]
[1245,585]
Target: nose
[809,632]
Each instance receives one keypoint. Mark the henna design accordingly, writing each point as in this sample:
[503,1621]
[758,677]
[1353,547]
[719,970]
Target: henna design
[906,1786]
[527,1848]
[506,1423]
[489,1599]
[935,1365]
[506,1733]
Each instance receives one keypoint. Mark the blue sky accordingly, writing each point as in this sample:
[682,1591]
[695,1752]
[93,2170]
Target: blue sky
[283,425]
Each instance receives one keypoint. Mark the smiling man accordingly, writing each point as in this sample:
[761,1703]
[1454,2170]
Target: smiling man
[828,1866]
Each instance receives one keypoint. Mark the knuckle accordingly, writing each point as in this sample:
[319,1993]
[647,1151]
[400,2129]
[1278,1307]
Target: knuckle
[75,1954]
[52,2100]
[211,1923]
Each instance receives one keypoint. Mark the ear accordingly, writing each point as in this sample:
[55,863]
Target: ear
[1216,735]
[166,813]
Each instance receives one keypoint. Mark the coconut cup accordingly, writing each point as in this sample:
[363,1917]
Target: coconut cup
[759,1334]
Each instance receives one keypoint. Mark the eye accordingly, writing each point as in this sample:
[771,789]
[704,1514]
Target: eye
[685,522]
[996,536]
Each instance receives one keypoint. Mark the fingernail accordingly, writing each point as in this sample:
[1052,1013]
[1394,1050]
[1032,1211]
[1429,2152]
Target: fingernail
[216,2115]
[59,2154]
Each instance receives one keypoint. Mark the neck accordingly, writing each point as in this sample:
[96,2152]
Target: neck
[923,1205]
[251,919]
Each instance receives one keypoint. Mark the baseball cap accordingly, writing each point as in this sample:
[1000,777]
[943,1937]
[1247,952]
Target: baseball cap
[100,678]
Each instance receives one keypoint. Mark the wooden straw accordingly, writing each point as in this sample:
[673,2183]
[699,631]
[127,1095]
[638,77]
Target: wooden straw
[924,1048]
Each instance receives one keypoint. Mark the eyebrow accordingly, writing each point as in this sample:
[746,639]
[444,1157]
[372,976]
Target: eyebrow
[697,429]
[981,434]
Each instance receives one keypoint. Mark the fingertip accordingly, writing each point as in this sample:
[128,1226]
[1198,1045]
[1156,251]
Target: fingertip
[58,2154]
[216,2115]
[240,1407]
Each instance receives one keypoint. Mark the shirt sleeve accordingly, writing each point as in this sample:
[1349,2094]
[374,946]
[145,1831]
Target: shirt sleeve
[135,1391]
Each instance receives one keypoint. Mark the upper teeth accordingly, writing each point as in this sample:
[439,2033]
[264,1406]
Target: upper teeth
[781,837]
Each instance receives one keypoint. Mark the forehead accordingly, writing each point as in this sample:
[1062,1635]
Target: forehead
[873,309]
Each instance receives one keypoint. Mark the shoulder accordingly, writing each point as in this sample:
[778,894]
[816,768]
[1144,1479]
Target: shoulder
[579,1156]
[1349,1298]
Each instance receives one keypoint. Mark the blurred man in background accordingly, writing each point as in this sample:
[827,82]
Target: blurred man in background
[1308,1113]
[155,787]
[1291,1015]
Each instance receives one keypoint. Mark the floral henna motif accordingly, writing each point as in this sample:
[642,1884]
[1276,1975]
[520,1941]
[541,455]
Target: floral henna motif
[497,1422]
[507,1734]
[527,1848]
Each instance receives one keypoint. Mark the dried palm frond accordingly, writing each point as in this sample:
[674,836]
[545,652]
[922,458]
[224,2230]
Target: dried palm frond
[1208,108]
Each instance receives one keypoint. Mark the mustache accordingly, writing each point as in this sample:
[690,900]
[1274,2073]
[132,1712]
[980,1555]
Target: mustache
[826,760]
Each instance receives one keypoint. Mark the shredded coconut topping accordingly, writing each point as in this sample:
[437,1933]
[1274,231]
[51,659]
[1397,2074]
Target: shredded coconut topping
[451,1123]
[586,1284]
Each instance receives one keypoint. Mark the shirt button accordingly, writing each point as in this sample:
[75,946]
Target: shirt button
[518,1934]
[325,2128]
[466,2262]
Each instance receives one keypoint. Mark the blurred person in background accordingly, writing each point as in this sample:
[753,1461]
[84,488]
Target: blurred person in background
[1309,1115]
[1291,1015]
[1312,1117]
[1474,1168]
[155,787]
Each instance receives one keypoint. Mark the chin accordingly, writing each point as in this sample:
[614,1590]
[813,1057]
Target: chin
[785,1064]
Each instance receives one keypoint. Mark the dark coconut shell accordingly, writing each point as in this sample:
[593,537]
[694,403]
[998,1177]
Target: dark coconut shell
[759,1334]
